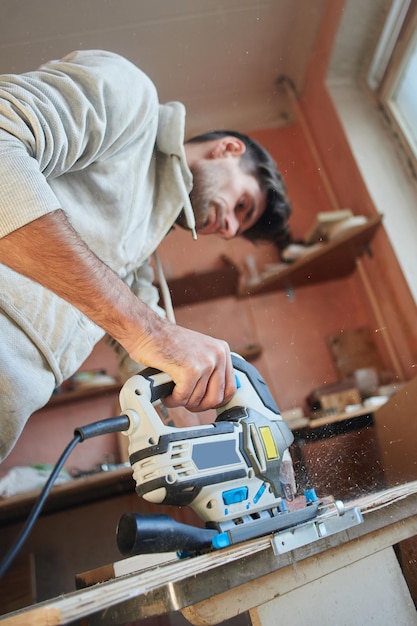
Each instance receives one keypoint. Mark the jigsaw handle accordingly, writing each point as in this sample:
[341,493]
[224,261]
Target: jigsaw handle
[160,384]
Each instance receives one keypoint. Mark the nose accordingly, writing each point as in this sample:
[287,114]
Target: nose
[230,226]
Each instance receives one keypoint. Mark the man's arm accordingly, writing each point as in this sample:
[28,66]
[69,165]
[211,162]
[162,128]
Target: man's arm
[50,252]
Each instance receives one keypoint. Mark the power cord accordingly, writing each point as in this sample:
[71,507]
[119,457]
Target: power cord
[88,431]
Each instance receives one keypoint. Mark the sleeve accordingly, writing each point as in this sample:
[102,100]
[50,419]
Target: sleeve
[62,118]
[145,291]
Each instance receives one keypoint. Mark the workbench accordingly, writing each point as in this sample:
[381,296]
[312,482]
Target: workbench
[350,578]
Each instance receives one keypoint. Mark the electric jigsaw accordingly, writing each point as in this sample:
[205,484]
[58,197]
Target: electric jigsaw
[236,473]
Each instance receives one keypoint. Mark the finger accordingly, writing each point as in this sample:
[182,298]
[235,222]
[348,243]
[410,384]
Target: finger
[230,385]
[206,384]
[221,385]
[200,397]
[181,394]
[220,388]
[193,392]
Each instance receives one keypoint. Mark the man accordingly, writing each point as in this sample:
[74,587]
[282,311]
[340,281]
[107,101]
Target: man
[93,175]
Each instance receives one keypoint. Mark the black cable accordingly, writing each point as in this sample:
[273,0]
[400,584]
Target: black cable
[11,555]
[103,427]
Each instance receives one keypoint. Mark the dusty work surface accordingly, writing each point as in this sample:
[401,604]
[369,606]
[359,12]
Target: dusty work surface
[389,517]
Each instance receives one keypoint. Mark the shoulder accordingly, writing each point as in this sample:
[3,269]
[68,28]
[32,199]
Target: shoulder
[101,67]
[94,60]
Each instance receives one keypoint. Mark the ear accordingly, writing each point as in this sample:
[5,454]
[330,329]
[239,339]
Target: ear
[227,146]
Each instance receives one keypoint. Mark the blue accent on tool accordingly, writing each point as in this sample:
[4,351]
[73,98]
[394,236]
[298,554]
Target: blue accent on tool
[221,541]
[259,493]
[240,494]
[310,495]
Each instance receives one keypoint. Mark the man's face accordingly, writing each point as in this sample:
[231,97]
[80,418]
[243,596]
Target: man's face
[226,200]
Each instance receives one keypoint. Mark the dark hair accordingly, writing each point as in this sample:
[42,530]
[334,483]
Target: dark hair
[273,225]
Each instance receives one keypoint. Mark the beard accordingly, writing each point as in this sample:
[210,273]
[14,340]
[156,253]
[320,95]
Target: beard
[201,196]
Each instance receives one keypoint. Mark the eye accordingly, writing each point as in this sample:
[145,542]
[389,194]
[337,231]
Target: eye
[245,209]
[249,215]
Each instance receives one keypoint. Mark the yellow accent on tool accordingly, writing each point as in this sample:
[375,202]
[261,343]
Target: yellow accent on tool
[269,443]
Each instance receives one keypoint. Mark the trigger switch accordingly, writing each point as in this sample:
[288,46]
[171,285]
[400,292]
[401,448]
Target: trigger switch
[238,384]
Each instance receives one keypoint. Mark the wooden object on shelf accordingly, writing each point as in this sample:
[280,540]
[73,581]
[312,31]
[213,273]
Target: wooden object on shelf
[334,260]
[335,418]
[354,349]
[339,400]
[323,224]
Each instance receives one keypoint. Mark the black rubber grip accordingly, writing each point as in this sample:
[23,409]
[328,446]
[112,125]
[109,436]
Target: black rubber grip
[103,427]
[158,391]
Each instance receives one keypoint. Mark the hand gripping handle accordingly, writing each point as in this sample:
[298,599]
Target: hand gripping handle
[161,384]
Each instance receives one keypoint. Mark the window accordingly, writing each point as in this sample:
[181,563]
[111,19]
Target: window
[393,77]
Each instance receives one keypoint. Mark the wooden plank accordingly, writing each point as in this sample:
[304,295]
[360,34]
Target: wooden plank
[244,598]
[389,517]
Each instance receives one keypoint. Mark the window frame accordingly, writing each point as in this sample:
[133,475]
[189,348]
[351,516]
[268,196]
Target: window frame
[384,80]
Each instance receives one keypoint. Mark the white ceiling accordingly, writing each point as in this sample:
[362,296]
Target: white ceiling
[221,58]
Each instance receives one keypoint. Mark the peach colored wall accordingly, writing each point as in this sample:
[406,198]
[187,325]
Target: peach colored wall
[396,306]
[304,185]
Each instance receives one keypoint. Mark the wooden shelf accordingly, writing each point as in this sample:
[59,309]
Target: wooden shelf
[202,286]
[67,397]
[334,260]
[76,492]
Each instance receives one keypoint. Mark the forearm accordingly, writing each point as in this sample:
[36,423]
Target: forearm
[50,252]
